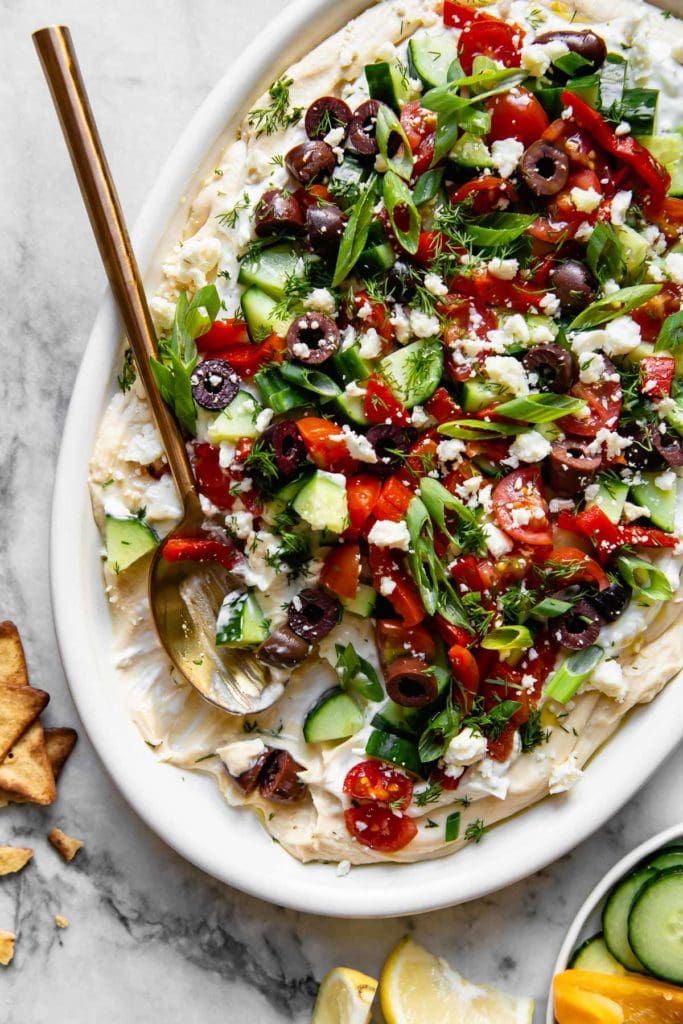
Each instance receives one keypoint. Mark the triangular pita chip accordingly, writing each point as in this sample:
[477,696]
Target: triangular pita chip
[26,771]
[19,706]
[13,671]
[6,947]
[14,858]
[66,845]
[59,742]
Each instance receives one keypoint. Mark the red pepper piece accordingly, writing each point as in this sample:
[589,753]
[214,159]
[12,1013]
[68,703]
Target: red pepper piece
[608,537]
[656,376]
[199,549]
[380,405]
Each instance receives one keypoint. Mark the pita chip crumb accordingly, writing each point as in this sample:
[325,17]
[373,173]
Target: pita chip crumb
[6,947]
[65,845]
[61,921]
[59,742]
[13,671]
[14,858]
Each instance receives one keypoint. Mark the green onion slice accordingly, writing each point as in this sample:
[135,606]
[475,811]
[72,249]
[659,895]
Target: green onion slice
[355,233]
[428,184]
[574,671]
[551,607]
[398,200]
[540,408]
[499,229]
[613,306]
[477,430]
[508,638]
[357,674]
[670,337]
[648,582]
[388,127]
[311,380]
[452,826]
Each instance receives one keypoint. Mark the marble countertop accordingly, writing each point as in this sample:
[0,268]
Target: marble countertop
[151,937]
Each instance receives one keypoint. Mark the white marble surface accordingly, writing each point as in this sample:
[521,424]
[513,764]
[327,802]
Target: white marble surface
[150,937]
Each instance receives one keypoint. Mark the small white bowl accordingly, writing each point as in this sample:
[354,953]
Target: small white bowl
[587,921]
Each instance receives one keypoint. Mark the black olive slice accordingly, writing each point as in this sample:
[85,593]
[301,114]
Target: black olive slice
[325,114]
[572,466]
[587,44]
[214,384]
[285,441]
[580,627]
[410,683]
[325,226]
[611,602]
[313,338]
[363,128]
[555,366]
[575,286]
[310,161]
[545,168]
[313,613]
[279,779]
[277,211]
[249,780]
[390,443]
[669,446]
[283,649]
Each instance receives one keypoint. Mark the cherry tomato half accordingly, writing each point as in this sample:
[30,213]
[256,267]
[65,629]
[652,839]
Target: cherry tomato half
[517,115]
[380,828]
[372,780]
[586,568]
[420,128]
[494,39]
[521,490]
[341,571]
[603,400]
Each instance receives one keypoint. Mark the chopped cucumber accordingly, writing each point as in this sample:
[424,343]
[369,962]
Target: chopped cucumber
[237,420]
[127,540]
[675,417]
[640,352]
[586,88]
[240,622]
[388,84]
[353,408]
[655,925]
[334,716]
[660,504]
[349,365]
[478,394]
[282,500]
[615,917]
[535,320]
[430,56]
[634,248]
[393,718]
[395,750]
[259,310]
[594,955]
[278,393]
[413,372]
[363,603]
[669,857]
[471,151]
[270,268]
[322,503]
[377,258]
[611,497]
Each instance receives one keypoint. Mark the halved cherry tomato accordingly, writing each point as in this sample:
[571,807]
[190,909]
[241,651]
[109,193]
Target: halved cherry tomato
[487,193]
[430,245]
[603,400]
[375,781]
[457,15]
[395,640]
[223,333]
[517,114]
[362,492]
[394,500]
[489,290]
[466,674]
[200,549]
[494,39]
[420,127]
[325,444]
[313,195]
[380,828]
[405,597]
[341,571]
[212,481]
[656,376]
[380,406]
[378,317]
[586,568]
[669,217]
[563,208]
[247,358]
[522,490]
[420,460]
[465,572]
[442,406]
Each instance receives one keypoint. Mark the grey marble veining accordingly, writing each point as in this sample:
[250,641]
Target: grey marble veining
[150,937]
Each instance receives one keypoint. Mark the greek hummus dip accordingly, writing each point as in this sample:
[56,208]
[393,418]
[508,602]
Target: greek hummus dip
[422,333]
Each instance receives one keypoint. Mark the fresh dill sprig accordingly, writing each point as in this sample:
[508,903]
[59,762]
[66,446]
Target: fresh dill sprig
[261,465]
[230,217]
[516,602]
[531,733]
[128,374]
[429,795]
[294,552]
[475,830]
[278,160]
[278,114]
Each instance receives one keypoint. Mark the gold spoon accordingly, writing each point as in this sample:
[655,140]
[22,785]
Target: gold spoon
[184,596]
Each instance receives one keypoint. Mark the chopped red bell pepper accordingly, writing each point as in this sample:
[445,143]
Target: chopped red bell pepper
[200,549]
[451,634]
[656,376]
[393,501]
[442,407]
[341,571]
[362,493]
[380,405]
[624,147]
[212,481]
[405,597]
[223,333]
[395,640]
[608,537]
[325,444]
[466,673]
[247,358]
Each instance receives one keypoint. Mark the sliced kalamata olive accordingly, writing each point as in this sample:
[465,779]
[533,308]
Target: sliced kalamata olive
[410,683]
[574,284]
[572,466]
[401,283]
[277,211]
[668,445]
[545,168]
[283,649]
[326,114]
[642,453]
[284,440]
[363,128]
[249,780]
[214,384]
[611,602]
[313,613]
[587,44]
[579,627]
[325,226]
[313,338]
[389,442]
[310,161]
[555,366]
[280,781]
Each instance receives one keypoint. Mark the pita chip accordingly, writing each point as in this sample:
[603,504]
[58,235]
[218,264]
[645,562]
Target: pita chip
[14,858]
[26,771]
[13,671]
[59,742]
[19,707]
[6,947]
[65,845]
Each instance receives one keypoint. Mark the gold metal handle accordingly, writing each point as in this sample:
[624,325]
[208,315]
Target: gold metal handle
[63,75]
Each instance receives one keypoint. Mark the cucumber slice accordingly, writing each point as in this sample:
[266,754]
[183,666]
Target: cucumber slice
[661,504]
[477,394]
[334,716]
[240,622]
[594,955]
[270,269]
[611,498]
[278,393]
[237,420]
[634,249]
[429,58]
[349,365]
[377,258]
[351,406]
[406,722]
[259,312]
[387,84]
[363,603]
[655,925]
[322,503]
[471,151]
[127,540]
[615,917]
[413,372]
[669,857]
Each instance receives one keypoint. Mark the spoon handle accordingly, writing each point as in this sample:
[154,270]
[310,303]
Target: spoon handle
[63,75]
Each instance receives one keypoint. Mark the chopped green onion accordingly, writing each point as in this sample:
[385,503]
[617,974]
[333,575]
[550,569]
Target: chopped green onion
[311,380]
[574,671]
[357,674]
[639,110]
[649,583]
[540,408]
[498,229]
[277,393]
[433,582]
[388,127]
[508,638]
[475,121]
[570,63]
[477,430]
[448,126]
[355,233]
[612,306]
[395,750]
[398,200]
[604,254]
[452,826]
[437,499]
[551,607]
[439,732]
[670,336]
[427,186]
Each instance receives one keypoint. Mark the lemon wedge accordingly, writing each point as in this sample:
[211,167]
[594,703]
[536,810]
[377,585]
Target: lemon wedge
[418,988]
[344,997]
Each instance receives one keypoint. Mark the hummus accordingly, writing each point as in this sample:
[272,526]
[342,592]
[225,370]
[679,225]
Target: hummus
[644,646]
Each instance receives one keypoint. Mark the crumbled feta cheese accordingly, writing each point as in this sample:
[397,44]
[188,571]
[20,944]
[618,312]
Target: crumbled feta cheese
[654,272]
[564,775]
[239,757]
[335,136]
[370,344]
[632,511]
[401,324]
[623,128]
[617,338]
[163,313]
[354,390]
[592,369]
[144,447]
[464,749]
[584,231]
[357,445]
[301,350]
[666,481]
[343,868]
[610,287]
[497,542]
[263,420]
[540,334]
[505,155]
[226,454]
[536,58]
[387,534]
[608,678]
[550,304]
[239,524]
[387,586]
[620,205]
[259,567]
[422,325]
[348,337]
[320,299]
[585,199]
[435,284]
[508,372]
[504,270]
[451,450]
[673,265]
[418,417]
[614,443]
[561,505]
[192,260]
[530,447]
